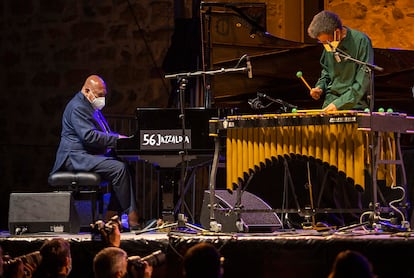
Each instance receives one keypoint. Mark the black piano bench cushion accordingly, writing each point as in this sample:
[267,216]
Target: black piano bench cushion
[66,178]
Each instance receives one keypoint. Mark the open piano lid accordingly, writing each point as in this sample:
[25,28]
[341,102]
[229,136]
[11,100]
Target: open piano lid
[230,32]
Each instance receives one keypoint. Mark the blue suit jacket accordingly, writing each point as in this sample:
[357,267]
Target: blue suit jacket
[84,138]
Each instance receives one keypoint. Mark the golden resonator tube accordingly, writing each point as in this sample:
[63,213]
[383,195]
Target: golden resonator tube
[333,138]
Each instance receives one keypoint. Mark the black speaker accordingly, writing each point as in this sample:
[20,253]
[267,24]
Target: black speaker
[250,221]
[42,212]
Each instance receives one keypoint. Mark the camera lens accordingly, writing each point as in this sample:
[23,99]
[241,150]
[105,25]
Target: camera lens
[154,259]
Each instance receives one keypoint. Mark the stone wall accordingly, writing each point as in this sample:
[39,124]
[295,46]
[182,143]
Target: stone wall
[47,50]
[389,23]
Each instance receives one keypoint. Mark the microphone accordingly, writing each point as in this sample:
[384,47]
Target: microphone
[279,101]
[255,103]
[337,58]
[335,52]
[249,67]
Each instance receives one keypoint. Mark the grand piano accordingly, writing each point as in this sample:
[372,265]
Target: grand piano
[231,30]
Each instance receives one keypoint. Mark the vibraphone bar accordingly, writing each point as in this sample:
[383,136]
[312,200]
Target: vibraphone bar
[341,139]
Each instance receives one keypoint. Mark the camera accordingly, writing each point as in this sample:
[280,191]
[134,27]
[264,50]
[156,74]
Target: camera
[108,227]
[100,230]
[33,259]
[154,259]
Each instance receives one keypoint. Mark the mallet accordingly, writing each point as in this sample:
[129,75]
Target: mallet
[299,75]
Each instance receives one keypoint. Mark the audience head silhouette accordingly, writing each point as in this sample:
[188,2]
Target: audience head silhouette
[56,259]
[202,260]
[353,264]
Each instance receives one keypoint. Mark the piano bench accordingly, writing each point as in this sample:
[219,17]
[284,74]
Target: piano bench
[84,186]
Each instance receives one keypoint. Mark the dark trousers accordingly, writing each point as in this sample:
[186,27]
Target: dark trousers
[117,173]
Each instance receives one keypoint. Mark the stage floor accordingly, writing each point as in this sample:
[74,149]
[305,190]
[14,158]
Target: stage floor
[286,253]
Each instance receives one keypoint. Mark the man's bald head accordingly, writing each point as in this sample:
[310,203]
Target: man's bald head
[95,84]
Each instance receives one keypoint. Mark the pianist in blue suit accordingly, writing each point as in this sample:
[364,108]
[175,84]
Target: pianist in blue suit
[86,140]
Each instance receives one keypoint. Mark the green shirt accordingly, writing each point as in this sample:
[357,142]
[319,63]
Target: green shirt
[347,83]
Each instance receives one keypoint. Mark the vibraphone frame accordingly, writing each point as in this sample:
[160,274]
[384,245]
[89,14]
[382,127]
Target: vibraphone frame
[389,124]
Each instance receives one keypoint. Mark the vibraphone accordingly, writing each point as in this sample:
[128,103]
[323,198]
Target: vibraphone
[341,139]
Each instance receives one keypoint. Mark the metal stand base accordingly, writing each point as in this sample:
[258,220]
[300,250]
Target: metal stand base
[181,225]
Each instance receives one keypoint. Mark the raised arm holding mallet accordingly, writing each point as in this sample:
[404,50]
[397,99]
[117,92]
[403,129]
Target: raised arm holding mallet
[315,92]
[299,75]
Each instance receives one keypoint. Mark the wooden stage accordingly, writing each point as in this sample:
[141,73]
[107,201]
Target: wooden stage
[286,253]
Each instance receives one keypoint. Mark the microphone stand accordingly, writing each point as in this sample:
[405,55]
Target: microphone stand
[181,218]
[212,72]
[346,57]
[368,67]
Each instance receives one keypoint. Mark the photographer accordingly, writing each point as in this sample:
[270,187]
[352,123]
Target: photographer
[112,262]
[19,267]
[109,233]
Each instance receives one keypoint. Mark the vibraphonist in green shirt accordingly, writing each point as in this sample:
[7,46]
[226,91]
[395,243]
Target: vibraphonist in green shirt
[346,83]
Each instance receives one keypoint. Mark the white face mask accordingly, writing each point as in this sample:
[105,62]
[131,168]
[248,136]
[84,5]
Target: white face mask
[98,103]
[333,45]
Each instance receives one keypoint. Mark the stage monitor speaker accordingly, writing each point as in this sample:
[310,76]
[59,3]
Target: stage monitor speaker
[251,222]
[42,212]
